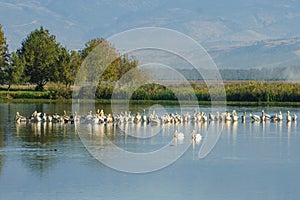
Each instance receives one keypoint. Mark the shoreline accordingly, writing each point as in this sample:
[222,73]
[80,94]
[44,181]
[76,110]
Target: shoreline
[151,102]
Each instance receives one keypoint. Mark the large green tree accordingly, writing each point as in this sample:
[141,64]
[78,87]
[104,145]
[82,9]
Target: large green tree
[67,67]
[16,71]
[99,50]
[4,58]
[40,53]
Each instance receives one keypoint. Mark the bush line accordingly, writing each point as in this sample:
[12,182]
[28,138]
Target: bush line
[252,91]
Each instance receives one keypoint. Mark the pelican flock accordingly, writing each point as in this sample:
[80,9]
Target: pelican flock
[100,117]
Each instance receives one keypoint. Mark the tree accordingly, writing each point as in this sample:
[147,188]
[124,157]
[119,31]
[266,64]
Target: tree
[67,67]
[40,54]
[16,71]
[118,65]
[4,58]
[92,44]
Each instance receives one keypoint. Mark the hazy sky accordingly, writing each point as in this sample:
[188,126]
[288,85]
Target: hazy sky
[209,22]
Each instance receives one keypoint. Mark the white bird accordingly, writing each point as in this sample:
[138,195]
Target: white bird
[262,118]
[234,116]
[88,117]
[294,117]
[20,118]
[280,117]
[137,118]
[254,117]
[44,117]
[109,118]
[186,117]
[288,116]
[95,119]
[179,136]
[227,116]
[57,118]
[211,117]
[196,137]
[48,118]
[144,117]
[265,116]
[36,117]
[275,118]
[204,117]
[76,117]
[244,117]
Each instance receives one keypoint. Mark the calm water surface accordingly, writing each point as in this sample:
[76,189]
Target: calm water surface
[250,161]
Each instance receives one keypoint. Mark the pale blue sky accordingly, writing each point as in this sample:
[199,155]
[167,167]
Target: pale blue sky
[209,22]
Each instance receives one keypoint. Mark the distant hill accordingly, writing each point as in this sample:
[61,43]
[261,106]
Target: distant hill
[290,73]
[260,54]
[209,22]
[248,38]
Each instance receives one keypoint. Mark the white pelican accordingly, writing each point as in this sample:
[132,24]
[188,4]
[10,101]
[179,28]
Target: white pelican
[254,117]
[186,117]
[196,137]
[234,116]
[154,121]
[288,116]
[280,117]
[57,118]
[137,118]
[20,118]
[275,118]
[36,117]
[88,117]
[179,136]
[144,117]
[294,117]
[265,116]
[66,117]
[227,116]
[244,117]
[48,118]
[109,118]
[76,117]
[204,117]
[44,117]
[95,119]
[211,117]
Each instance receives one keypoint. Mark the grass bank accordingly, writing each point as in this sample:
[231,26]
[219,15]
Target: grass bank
[24,95]
[245,93]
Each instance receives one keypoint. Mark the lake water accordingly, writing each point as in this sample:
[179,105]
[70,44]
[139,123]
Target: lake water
[250,160]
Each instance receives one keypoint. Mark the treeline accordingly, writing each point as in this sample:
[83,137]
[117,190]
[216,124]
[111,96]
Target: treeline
[42,60]
[252,91]
[263,91]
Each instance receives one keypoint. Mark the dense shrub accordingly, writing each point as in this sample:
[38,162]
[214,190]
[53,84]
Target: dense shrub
[59,91]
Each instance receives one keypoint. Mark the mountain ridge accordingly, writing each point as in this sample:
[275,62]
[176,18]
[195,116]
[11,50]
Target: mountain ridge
[234,33]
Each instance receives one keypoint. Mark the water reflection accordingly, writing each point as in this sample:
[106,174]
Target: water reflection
[1,146]
[40,144]
[255,154]
[4,116]
[40,139]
